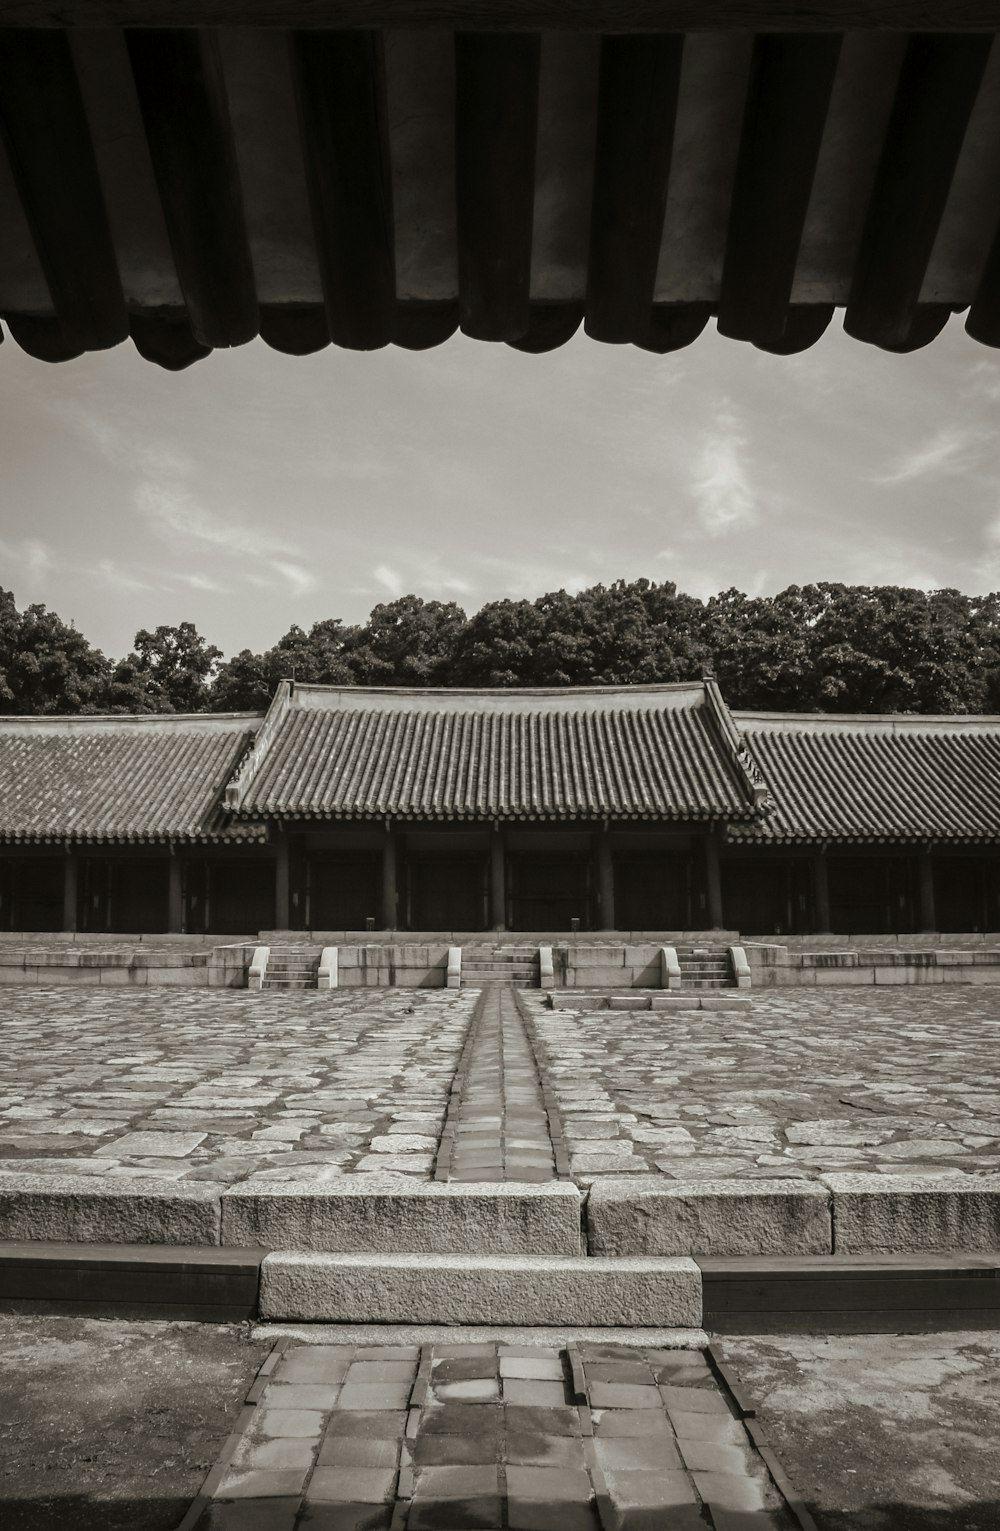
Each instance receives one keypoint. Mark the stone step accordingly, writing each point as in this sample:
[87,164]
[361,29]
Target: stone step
[383,1212]
[288,983]
[645,1291]
[482,980]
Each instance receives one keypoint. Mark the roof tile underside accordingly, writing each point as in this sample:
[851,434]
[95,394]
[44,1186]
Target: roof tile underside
[848,784]
[114,785]
[455,765]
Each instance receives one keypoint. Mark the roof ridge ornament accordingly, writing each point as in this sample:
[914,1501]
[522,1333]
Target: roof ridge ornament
[733,739]
[258,747]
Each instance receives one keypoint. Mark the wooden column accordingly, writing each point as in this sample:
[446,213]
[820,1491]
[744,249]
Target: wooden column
[498,880]
[71,867]
[713,881]
[282,883]
[928,912]
[821,893]
[389,880]
[175,894]
[605,881]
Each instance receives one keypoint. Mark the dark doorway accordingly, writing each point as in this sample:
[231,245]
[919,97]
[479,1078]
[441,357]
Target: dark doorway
[872,895]
[549,891]
[228,897]
[344,891]
[652,892]
[767,897]
[31,894]
[963,893]
[447,893]
[130,896]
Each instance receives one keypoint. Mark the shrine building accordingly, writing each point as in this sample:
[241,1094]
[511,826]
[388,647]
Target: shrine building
[640,809]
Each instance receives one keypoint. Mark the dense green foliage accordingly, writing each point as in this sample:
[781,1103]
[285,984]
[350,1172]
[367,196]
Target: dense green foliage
[825,647]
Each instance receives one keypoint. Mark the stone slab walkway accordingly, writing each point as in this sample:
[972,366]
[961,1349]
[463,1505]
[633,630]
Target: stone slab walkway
[223,1086]
[898,1082]
[220,1085]
[585,1437]
[500,1125]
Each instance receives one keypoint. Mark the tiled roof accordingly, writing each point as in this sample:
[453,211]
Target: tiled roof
[875,778]
[638,753]
[119,778]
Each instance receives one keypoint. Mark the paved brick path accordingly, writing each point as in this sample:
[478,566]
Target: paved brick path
[216,1085]
[533,1438]
[897,1081]
[501,1129]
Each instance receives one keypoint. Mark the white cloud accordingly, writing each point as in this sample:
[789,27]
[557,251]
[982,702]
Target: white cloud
[298,578]
[32,556]
[723,492]
[388,579]
[176,516]
[948,451]
[121,579]
[200,582]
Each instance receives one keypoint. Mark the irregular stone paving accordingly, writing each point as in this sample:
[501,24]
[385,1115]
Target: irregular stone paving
[501,1127]
[217,1085]
[531,1437]
[900,1082]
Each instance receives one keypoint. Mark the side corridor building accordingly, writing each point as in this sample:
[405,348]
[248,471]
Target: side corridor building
[603,808]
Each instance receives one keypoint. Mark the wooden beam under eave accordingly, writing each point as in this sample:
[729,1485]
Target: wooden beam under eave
[340,87]
[44,127]
[496,115]
[182,97]
[517,15]
[937,91]
[637,110]
[788,99]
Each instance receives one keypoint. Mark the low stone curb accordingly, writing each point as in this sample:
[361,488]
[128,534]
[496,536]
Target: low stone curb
[633,1215]
[384,1213]
[90,1209]
[497,1289]
[914,1213]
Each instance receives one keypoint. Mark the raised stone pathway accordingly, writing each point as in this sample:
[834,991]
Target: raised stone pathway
[584,1437]
[899,1082]
[221,1085]
[500,1125]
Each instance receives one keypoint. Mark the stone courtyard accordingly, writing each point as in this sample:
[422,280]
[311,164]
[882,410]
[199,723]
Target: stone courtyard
[221,1086]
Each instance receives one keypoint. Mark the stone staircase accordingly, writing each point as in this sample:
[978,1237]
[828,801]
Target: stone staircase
[705,967]
[486,964]
[291,967]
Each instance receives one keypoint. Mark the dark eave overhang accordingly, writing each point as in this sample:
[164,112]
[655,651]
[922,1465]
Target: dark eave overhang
[189,176]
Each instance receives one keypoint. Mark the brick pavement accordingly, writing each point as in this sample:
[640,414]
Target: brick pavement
[500,1124]
[219,1085]
[588,1437]
[899,1081]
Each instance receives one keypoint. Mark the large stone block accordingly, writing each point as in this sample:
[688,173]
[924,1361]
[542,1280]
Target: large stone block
[109,1210]
[860,976]
[908,974]
[627,1216]
[602,977]
[900,1214]
[385,1213]
[473,1289]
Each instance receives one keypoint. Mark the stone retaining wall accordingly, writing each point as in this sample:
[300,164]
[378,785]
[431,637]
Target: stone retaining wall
[106,966]
[774,966]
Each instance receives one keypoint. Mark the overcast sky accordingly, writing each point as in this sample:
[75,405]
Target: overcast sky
[256,490]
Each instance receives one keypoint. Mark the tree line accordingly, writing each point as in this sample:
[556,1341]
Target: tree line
[823,647]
